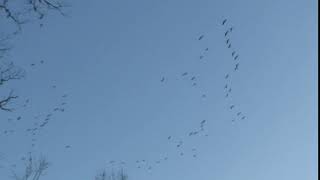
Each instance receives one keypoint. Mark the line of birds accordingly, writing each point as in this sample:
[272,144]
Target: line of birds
[178,143]
[235,57]
[41,120]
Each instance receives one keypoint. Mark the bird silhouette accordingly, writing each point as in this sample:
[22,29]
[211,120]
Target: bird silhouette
[201,37]
[226,33]
[236,67]
[224,21]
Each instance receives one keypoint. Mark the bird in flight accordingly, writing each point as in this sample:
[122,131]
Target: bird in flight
[227,41]
[224,21]
[237,67]
[227,76]
[201,37]
[184,74]
[233,53]
[235,58]
[232,106]
[226,33]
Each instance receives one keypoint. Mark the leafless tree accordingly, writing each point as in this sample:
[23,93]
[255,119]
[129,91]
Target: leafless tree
[119,175]
[9,72]
[34,169]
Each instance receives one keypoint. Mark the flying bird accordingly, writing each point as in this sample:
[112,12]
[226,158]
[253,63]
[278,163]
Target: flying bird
[201,37]
[226,33]
[184,74]
[236,67]
[224,21]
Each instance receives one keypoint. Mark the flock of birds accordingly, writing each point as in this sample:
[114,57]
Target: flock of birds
[178,144]
[40,121]
[235,57]
[43,120]
[200,130]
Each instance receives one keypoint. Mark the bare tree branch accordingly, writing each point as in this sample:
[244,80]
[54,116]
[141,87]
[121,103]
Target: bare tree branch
[7,100]
[34,169]
[120,175]
[10,72]
[20,13]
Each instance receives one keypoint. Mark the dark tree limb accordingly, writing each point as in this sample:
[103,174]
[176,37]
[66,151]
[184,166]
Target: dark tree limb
[7,100]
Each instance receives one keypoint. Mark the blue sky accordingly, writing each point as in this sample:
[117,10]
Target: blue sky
[109,57]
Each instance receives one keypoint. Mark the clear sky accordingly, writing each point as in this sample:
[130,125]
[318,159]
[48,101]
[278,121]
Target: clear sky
[110,56]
